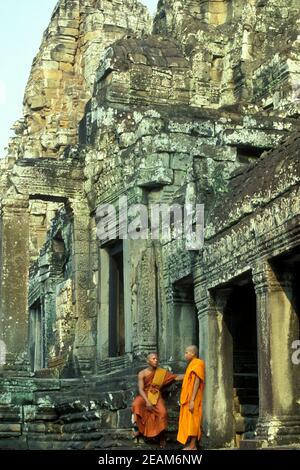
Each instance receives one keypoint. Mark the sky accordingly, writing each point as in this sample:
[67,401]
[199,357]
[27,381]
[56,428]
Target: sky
[22,23]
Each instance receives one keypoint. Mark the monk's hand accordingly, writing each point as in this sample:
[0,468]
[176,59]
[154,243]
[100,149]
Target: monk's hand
[191,406]
[149,406]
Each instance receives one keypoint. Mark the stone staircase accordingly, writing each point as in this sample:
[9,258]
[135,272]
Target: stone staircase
[92,413]
[245,399]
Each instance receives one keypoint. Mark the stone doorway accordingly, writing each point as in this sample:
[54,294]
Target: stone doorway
[240,320]
[49,293]
[185,325]
[36,337]
[116,301]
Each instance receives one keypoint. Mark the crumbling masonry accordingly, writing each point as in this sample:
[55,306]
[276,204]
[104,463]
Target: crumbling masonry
[199,105]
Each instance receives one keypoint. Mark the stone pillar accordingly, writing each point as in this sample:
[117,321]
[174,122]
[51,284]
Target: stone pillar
[215,347]
[279,421]
[146,282]
[104,292]
[14,271]
[103,310]
[183,324]
[128,247]
[85,334]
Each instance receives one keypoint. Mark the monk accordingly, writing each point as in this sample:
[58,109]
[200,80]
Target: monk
[191,400]
[149,410]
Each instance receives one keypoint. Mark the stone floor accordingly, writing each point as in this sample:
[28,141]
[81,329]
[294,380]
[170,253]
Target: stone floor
[140,444]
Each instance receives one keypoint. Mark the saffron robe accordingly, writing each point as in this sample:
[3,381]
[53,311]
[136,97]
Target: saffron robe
[151,423]
[190,422]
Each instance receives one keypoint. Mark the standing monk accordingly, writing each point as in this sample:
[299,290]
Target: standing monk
[191,400]
[148,408]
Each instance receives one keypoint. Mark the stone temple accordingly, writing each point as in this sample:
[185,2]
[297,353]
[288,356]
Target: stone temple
[199,104]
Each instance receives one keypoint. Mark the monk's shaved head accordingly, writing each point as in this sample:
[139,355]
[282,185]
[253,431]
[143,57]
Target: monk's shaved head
[193,349]
[151,354]
[152,360]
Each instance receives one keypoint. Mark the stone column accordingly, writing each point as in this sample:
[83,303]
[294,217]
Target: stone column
[278,422]
[85,335]
[103,310]
[128,248]
[146,281]
[215,347]
[14,271]
[183,324]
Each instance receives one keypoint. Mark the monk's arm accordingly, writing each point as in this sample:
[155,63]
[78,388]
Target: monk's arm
[141,390]
[179,377]
[195,390]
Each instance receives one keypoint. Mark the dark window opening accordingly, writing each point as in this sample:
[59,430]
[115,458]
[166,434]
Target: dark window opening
[247,154]
[116,301]
[36,337]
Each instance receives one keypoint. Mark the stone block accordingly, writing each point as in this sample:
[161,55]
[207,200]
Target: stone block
[156,160]
[10,428]
[124,418]
[154,177]
[37,102]
[66,67]
[62,57]
[73,32]
[181,161]
[113,401]
[50,65]
[53,74]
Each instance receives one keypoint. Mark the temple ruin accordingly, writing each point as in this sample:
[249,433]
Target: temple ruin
[199,104]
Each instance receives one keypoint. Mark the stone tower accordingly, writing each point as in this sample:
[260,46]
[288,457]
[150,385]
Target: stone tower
[199,106]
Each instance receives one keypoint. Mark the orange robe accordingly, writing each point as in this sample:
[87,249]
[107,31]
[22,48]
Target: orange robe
[190,422]
[151,423]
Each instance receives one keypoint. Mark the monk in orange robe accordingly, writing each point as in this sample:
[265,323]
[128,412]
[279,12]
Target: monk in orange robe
[191,400]
[149,410]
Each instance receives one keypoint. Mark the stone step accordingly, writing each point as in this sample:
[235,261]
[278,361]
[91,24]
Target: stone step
[244,380]
[251,444]
[248,409]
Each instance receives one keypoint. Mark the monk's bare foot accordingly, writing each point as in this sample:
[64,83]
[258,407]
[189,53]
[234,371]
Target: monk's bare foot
[189,448]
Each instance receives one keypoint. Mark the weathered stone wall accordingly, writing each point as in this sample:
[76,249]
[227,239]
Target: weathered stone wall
[198,112]
[235,56]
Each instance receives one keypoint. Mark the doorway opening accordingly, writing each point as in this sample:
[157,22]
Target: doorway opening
[240,319]
[185,329]
[116,301]
[36,337]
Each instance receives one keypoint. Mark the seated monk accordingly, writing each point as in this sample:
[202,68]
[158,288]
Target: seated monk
[191,400]
[149,410]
